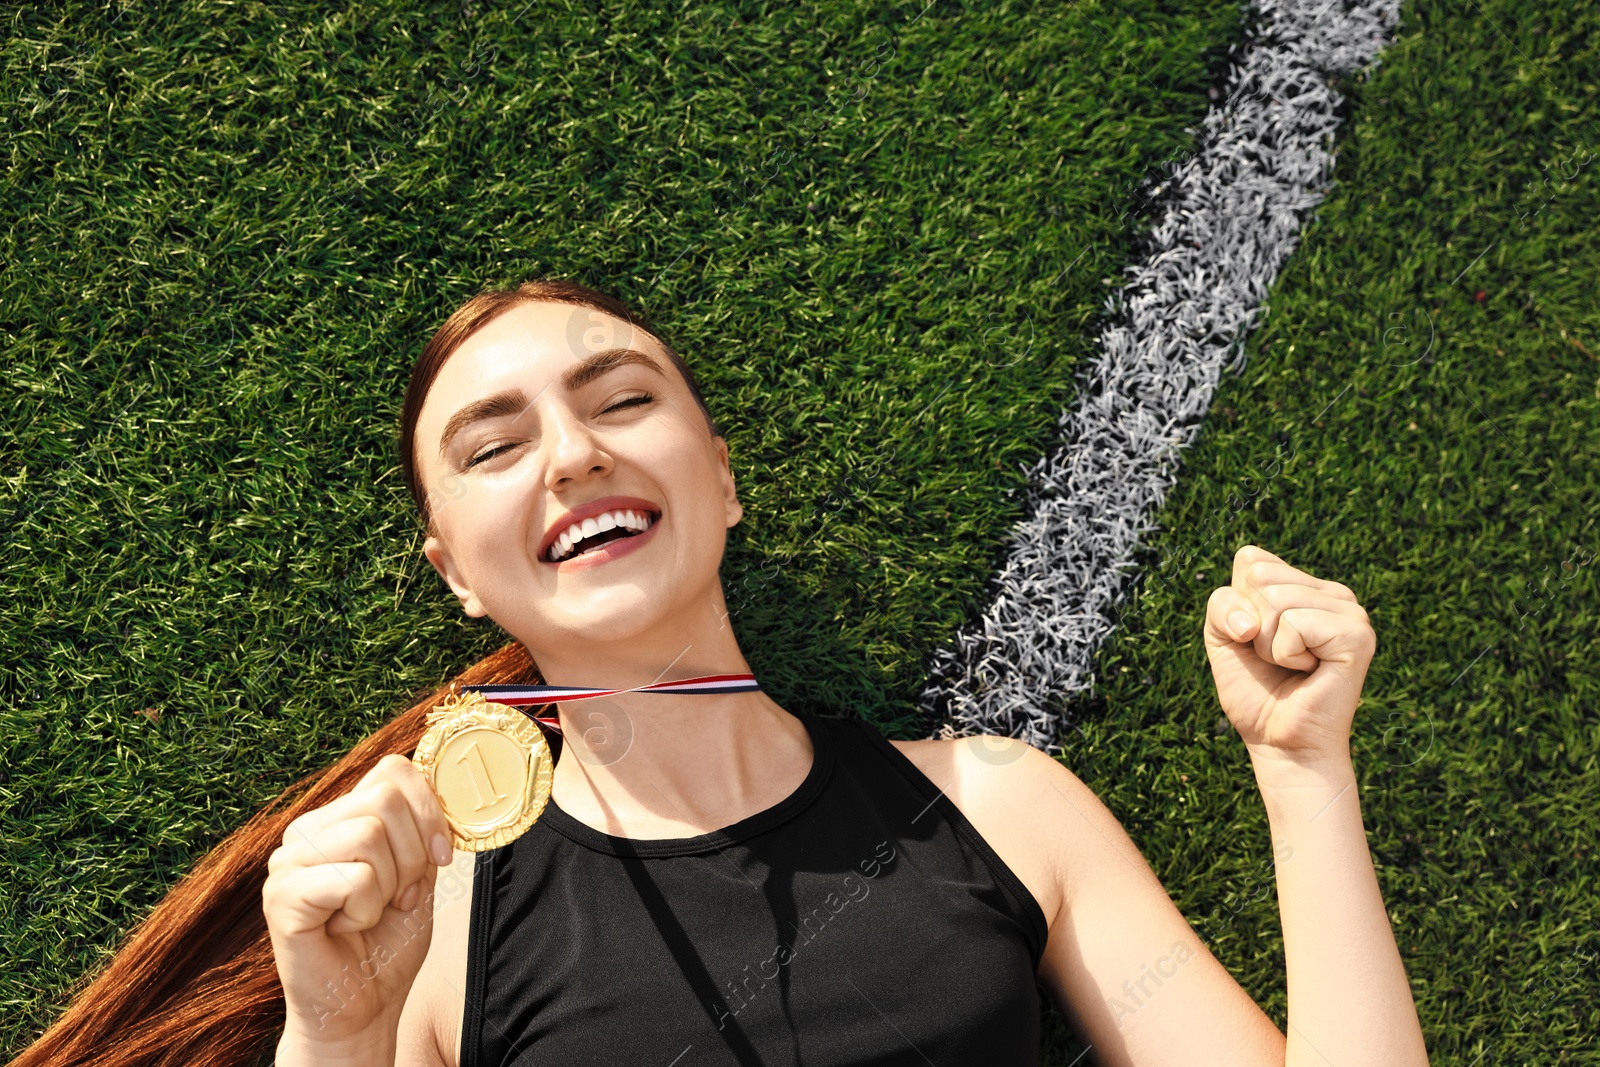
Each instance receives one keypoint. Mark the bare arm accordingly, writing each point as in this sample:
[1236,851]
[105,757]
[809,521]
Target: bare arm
[1289,653]
[1349,1001]
[1121,960]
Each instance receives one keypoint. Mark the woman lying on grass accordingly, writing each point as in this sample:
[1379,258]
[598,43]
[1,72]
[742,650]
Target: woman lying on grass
[716,880]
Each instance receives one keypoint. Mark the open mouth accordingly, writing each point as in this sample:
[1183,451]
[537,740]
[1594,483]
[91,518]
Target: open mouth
[584,537]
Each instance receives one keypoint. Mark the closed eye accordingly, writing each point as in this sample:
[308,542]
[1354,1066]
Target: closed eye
[632,401]
[482,456]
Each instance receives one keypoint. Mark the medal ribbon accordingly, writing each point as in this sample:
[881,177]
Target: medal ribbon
[523,695]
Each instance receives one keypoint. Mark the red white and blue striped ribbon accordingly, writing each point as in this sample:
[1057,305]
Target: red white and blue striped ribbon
[523,695]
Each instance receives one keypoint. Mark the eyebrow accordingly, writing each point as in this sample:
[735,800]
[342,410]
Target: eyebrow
[515,401]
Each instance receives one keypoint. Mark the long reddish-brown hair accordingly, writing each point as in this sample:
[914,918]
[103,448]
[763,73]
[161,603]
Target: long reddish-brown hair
[195,982]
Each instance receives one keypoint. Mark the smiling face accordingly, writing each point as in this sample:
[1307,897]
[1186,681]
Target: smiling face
[553,414]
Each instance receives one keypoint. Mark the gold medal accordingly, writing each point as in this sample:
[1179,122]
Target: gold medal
[490,767]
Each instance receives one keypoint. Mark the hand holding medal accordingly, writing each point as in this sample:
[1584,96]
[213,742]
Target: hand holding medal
[490,765]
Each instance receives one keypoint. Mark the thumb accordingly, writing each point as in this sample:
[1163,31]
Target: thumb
[1230,617]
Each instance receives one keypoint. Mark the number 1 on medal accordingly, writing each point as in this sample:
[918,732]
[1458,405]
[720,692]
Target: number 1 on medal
[480,777]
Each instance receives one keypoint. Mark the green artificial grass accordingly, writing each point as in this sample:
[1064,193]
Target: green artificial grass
[1420,424]
[230,228]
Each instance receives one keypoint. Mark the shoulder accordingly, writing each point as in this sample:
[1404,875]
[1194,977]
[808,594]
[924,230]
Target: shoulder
[1107,911]
[1031,808]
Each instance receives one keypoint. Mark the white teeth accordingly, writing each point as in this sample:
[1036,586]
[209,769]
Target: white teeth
[563,546]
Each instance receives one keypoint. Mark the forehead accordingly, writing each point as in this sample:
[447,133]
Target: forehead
[542,336]
[527,347]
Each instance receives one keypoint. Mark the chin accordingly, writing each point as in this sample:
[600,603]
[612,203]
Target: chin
[605,615]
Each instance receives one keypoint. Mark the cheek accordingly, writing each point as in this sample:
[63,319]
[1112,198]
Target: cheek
[485,523]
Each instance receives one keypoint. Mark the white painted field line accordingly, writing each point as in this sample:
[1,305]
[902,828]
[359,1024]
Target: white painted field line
[1265,161]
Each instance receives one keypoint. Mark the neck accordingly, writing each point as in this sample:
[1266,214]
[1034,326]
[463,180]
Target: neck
[658,765]
[649,766]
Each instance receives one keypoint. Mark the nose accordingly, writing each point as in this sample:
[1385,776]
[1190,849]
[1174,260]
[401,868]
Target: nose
[574,451]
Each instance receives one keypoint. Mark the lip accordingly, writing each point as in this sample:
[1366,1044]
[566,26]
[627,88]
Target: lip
[608,551]
[591,510]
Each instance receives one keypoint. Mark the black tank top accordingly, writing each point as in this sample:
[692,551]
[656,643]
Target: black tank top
[861,920]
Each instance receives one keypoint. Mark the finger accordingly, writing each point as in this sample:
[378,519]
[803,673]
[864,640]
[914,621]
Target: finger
[303,901]
[388,800]
[1252,566]
[1272,589]
[1231,616]
[1288,646]
[1280,598]
[1265,572]
[1245,556]
[1257,608]
[360,838]
[345,807]
[433,832]
[1274,570]
[1327,637]
[415,795]
[1283,643]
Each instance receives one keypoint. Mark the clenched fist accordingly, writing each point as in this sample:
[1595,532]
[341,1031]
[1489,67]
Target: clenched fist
[349,906]
[1289,653]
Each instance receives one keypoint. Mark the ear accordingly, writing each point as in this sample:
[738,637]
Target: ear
[730,496]
[442,562]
